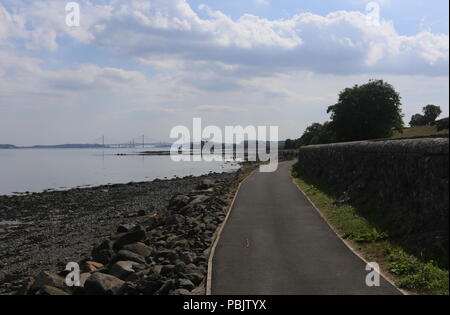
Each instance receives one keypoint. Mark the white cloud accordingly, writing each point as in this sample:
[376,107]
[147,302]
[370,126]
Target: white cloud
[219,108]
[340,42]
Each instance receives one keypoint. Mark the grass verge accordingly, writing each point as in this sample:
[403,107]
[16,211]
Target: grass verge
[420,131]
[407,271]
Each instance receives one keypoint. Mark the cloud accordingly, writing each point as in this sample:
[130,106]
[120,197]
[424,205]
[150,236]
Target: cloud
[223,108]
[11,26]
[339,43]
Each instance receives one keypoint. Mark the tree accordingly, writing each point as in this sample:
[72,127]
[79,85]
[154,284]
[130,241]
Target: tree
[431,113]
[316,134]
[442,124]
[289,144]
[369,111]
[417,120]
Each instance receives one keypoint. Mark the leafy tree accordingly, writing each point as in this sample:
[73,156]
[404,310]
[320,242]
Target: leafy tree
[442,124]
[289,144]
[431,113]
[316,134]
[369,111]
[417,120]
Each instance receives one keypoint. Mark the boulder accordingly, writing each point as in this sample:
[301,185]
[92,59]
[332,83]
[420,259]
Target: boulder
[48,290]
[166,288]
[168,254]
[90,266]
[199,199]
[45,278]
[149,285]
[137,234]
[138,248]
[179,267]
[186,284]
[102,284]
[83,278]
[103,252]
[178,202]
[123,269]
[205,184]
[154,221]
[126,255]
[125,228]
[195,277]
[183,292]
[128,289]
[167,270]
[187,257]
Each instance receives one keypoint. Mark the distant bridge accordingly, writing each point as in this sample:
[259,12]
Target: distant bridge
[136,142]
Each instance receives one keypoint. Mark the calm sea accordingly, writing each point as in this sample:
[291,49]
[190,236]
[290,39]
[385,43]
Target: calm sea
[35,170]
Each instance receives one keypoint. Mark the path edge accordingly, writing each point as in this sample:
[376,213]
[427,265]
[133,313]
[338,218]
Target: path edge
[217,235]
[346,243]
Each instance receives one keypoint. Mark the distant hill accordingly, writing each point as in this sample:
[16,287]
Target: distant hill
[420,131]
[60,146]
[68,146]
[7,146]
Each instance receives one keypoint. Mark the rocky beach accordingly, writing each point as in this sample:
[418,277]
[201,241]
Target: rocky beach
[137,238]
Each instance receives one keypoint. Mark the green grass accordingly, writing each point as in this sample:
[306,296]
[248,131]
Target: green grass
[420,131]
[409,273]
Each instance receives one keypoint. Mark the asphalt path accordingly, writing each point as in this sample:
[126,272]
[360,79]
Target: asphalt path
[276,243]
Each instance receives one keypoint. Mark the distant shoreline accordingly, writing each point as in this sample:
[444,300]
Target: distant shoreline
[69,146]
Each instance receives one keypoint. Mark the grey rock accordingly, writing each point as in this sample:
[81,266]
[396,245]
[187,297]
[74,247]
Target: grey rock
[199,199]
[178,202]
[126,255]
[169,254]
[123,269]
[45,278]
[134,236]
[138,248]
[186,284]
[187,257]
[102,284]
[195,277]
[125,228]
[150,285]
[103,252]
[166,288]
[205,184]
[48,290]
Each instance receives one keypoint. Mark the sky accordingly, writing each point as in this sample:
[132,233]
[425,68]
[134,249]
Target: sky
[144,67]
